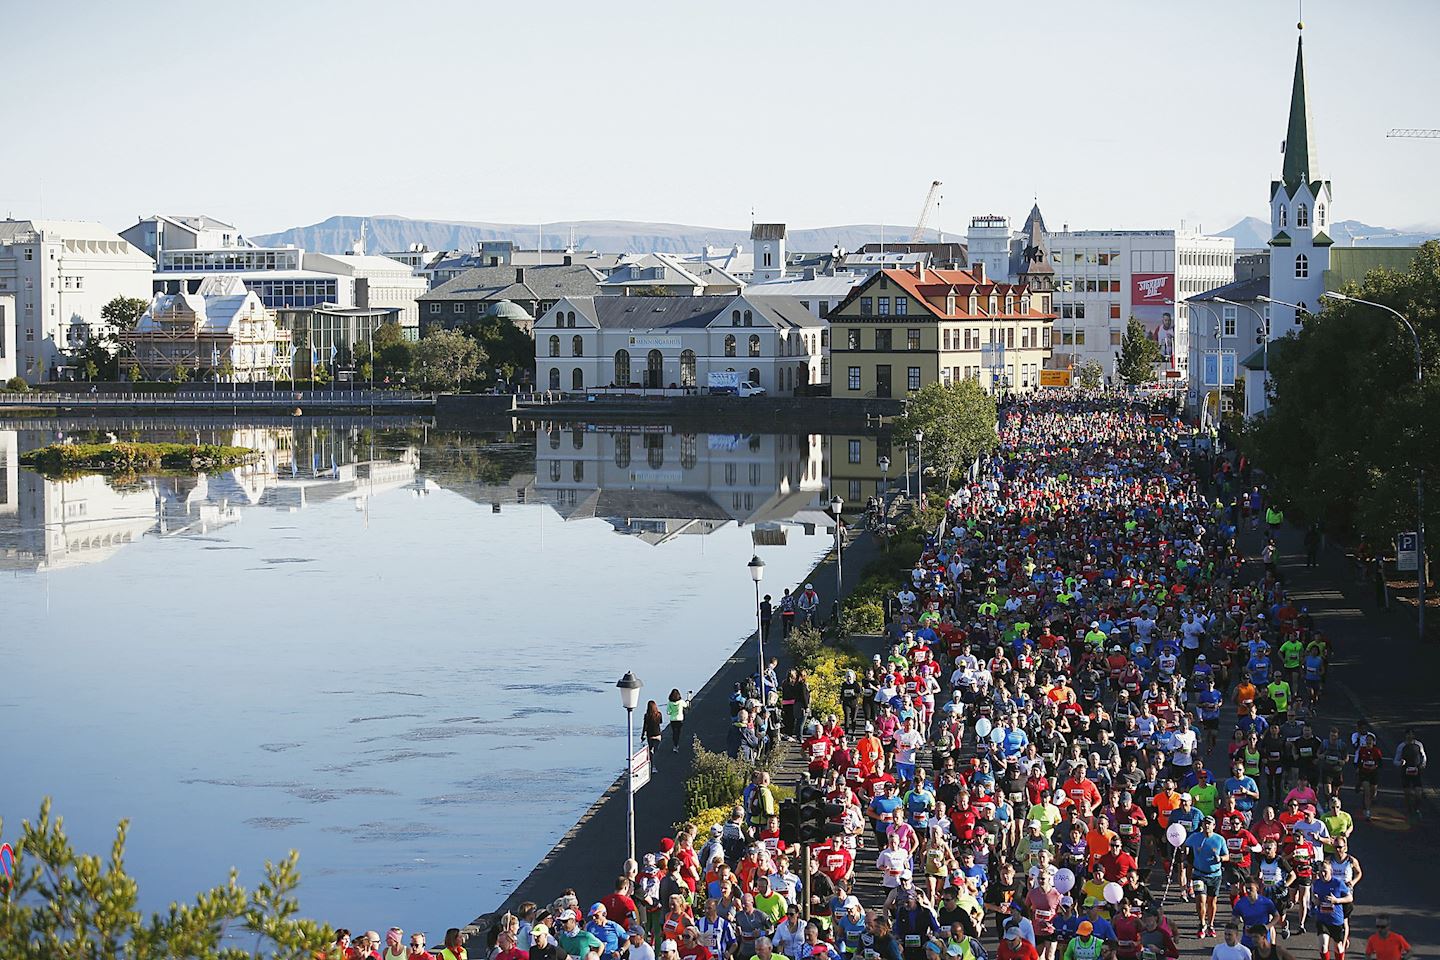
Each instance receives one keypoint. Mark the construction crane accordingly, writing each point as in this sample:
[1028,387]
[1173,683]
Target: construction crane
[1413,134]
[932,200]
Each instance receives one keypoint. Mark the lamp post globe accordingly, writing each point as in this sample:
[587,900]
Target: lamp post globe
[629,687]
[757,569]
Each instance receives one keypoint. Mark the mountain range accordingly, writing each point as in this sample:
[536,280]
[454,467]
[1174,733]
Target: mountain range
[1252,233]
[338,234]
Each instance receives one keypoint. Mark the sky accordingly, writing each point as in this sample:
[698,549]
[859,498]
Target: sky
[1113,113]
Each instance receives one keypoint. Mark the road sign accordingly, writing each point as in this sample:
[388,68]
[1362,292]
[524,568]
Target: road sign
[7,865]
[992,355]
[1407,554]
[1054,378]
[640,768]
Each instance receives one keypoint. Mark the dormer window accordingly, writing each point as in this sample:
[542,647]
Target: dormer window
[974,304]
[1009,304]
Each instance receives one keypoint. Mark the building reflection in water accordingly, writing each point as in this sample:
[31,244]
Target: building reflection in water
[657,482]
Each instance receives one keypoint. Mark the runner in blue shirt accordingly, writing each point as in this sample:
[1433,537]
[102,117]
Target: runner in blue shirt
[1328,896]
[1208,853]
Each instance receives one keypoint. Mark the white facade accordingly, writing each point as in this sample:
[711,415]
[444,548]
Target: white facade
[1104,277]
[61,274]
[7,336]
[154,235]
[380,283]
[659,342]
[988,240]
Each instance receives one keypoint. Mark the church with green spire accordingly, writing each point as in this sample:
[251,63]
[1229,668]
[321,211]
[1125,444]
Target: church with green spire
[1300,214]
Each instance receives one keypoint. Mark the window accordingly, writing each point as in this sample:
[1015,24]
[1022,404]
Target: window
[1045,336]
[689,451]
[884,305]
[1009,304]
[824,309]
[882,340]
[1302,267]
[854,451]
[577,379]
[687,368]
[570,319]
[622,450]
[854,491]
[754,344]
[1010,337]
[1282,216]
[1115,337]
[749,320]
[902,306]
[577,346]
[1320,215]
[854,378]
[1114,311]
[554,346]
[434,308]
[577,470]
[852,338]
[1079,338]
[866,306]
[912,339]
[655,450]
[734,318]
[1228,314]
[754,376]
[1302,215]
[454,307]
[729,344]
[554,471]
[622,368]
[912,378]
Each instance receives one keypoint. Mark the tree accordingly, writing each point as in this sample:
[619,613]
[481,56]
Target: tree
[123,312]
[448,358]
[959,423]
[386,351]
[1089,374]
[1349,429]
[1138,355]
[67,904]
[506,346]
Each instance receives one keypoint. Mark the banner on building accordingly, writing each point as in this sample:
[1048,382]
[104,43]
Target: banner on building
[1054,378]
[654,341]
[1149,293]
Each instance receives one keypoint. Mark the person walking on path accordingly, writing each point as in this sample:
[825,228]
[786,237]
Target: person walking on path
[676,708]
[651,728]
[787,613]
[767,615]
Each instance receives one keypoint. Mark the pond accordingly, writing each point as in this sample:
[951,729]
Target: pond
[391,648]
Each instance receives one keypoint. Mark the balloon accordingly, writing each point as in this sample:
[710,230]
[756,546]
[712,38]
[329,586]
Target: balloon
[982,728]
[1114,893]
[1064,879]
[1175,833]
[997,736]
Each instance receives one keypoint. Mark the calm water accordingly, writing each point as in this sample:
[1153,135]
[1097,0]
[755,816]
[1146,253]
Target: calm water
[391,649]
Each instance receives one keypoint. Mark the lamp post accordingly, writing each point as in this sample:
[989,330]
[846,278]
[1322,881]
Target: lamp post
[757,573]
[629,686]
[919,469]
[1263,326]
[884,483]
[1219,362]
[837,505]
[1419,466]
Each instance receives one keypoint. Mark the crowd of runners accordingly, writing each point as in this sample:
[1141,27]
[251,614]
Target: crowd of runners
[1092,735]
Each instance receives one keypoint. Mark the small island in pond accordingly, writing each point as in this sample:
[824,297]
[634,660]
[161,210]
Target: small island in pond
[67,458]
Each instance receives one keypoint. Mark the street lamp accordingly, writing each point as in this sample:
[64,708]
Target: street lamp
[629,686]
[1219,362]
[757,573]
[1420,468]
[919,468]
[837,505]
[884,483]
[1262,325]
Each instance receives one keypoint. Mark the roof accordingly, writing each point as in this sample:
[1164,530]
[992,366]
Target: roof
[1354,264]
[798,285]
[767,231]
[783,312]
[1241,291]
[938,284]
[1031,253]
[1299,166]
[653,313]
[506,282]
[353,264]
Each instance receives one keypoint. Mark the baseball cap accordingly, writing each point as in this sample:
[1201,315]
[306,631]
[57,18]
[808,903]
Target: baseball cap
[636,930]
[566,915]
[932,946]
[716,830]
[537,929]
[1036,824]
[1085,929]
[851,902]
[1012,932]
[595,908]
[954,949]
[669,945]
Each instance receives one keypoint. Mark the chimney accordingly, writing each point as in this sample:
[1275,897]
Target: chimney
[920,271]
[569,260]
[978,271]
[809,273]
[519,274]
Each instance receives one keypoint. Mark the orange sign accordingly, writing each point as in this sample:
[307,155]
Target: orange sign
[1054,378]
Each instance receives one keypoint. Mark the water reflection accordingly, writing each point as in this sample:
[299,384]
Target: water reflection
[650,482]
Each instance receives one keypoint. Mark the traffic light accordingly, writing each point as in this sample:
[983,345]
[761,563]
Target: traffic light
[816,814]
[789,822]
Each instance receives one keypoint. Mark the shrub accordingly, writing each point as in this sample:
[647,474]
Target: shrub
[805,644]
[17,385]
[828,675]
[716,780]
[863,618]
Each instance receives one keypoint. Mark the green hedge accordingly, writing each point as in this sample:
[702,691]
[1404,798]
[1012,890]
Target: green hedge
[65,458]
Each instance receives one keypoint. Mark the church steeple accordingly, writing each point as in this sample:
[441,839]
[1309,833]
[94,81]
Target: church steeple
[1299,151]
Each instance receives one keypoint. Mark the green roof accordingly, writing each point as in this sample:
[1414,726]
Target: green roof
[1321,239]
[1353,264]
[1281,239]
[1299,151]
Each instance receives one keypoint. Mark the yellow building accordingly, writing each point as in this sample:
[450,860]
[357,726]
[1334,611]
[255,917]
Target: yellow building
[902,329]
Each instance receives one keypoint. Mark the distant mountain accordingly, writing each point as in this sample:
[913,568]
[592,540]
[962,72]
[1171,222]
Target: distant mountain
[1252,233]
[338,234]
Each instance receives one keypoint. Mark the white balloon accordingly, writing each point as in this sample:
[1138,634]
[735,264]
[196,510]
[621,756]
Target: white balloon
[1114,893]
[1176,834]
[1064,879]
[997,736]
[982,728]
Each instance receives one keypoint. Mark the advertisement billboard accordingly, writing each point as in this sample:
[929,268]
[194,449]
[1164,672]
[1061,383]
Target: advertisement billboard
[1148,295]
[1054,378]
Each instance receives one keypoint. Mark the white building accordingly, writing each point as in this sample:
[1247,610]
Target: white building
[988,240]
[380,283]
[156,234]
[669,276]
[1105,277]
[60,274]
[222,326]
[662,342]
[7,335]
